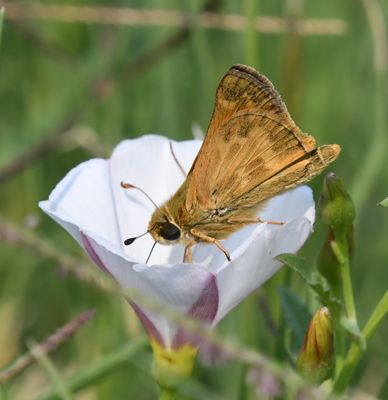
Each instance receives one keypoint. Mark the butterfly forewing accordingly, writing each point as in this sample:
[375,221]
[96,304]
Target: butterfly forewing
[253,150]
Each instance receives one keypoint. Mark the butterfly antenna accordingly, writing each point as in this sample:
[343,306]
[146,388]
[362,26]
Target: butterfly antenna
[129,241]
[176,160]
[126,185]
[152,249]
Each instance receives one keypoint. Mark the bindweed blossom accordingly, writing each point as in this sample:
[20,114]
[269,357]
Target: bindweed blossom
[91,205]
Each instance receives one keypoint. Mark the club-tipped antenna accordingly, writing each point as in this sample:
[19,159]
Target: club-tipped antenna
[129,241]
[152,249]
[126,185]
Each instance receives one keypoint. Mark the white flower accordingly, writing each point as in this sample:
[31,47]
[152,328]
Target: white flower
[92,206]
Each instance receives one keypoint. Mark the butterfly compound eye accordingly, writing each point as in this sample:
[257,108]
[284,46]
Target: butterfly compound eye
[170,231]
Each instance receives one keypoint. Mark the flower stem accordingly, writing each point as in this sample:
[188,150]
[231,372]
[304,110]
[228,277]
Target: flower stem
[355,350]
[341,251]
[166,394]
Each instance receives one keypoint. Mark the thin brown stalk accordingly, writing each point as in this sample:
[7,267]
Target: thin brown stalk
[172,42]
[167,18]
[63,334]
[33,154]
[32,34]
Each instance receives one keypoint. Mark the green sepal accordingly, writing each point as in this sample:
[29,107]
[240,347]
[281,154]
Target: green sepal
[384,203]
[316,282]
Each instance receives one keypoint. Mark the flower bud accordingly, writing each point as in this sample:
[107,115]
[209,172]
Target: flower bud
[337,210]
[335,206]
[316,358]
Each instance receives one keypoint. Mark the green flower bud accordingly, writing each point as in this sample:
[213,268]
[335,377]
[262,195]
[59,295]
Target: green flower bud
[335,206]
[337,210]
[316,358]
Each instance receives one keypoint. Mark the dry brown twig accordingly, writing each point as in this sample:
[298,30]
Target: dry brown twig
[168,18]
[51,343]
[20,162]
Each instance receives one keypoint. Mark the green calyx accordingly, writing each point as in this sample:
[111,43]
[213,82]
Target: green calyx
[171,367]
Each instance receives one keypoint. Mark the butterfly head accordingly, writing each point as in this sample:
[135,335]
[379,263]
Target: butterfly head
[163,229]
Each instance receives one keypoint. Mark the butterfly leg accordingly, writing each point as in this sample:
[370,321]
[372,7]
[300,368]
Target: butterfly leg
[208,239]
[188,254]
[254,221]
[260,221]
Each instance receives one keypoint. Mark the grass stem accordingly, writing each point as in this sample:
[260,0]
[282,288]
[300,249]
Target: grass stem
[375,156]
[97,369]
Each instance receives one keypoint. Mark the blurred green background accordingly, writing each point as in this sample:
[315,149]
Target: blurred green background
[72,90]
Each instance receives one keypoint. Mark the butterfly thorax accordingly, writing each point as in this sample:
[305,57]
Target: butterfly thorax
[173,222]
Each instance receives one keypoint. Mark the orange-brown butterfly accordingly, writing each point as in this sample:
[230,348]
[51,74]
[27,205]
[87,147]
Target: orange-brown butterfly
[252,151]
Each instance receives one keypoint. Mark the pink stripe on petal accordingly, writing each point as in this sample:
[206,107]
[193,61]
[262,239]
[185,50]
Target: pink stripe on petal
[149,327]
[204,309]
[92,253]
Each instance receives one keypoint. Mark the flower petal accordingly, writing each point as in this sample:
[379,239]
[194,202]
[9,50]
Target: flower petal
[83,200]
[253,261]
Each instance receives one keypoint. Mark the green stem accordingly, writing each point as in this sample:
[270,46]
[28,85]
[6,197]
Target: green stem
[97,369]
[375,156]
[60,388]
[251,34]
[340,349]
[166,394]
[355,351]
[341,251]
[3,393]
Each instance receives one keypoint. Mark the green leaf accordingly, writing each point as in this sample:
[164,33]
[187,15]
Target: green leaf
[316,282]
[296,315]
[384,203]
